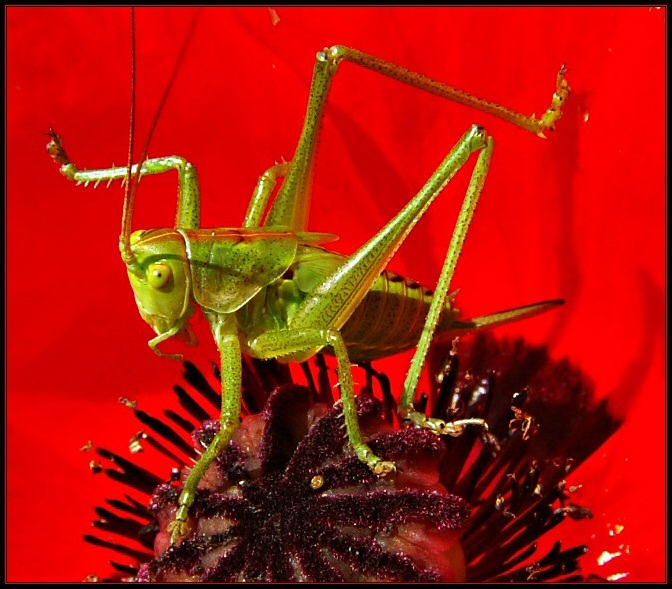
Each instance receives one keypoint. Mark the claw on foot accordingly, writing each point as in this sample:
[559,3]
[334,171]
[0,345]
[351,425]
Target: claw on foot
[378,467]
[177,530]
[562,91]
[55,148]
[179,527]
[441,427]
[383,467]
[57,152]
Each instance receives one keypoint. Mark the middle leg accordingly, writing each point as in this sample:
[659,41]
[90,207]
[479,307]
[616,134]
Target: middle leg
[274,344]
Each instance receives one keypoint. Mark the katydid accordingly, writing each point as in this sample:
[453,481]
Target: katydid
[270,290]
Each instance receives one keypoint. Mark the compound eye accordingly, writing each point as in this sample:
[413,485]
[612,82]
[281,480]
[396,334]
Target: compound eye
[159,275]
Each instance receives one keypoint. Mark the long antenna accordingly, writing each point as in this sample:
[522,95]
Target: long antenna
[129,191]
[133,178]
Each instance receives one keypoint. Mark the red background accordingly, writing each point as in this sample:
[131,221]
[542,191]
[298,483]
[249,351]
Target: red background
[579,216]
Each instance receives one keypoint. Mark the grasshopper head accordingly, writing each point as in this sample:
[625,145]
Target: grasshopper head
[160,279]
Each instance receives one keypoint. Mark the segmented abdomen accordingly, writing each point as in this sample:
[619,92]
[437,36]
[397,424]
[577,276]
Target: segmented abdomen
[390,318]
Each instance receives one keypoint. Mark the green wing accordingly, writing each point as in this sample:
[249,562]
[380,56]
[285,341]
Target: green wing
[313,265]
[230,266]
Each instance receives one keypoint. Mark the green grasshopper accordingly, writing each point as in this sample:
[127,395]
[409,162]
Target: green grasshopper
[268,289]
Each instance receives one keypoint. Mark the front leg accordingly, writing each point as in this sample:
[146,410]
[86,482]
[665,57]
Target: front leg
[188,192]
[225,331]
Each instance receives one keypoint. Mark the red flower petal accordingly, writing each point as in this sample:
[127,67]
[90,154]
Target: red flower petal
[578,216]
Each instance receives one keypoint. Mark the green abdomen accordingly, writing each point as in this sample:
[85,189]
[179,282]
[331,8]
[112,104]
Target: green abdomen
[390,318]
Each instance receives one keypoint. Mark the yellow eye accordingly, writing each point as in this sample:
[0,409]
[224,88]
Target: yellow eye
[159,275]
